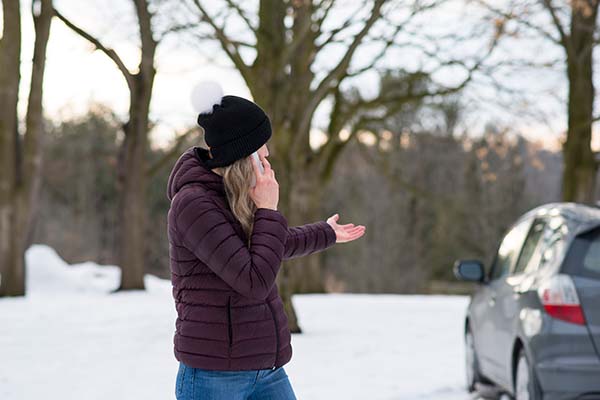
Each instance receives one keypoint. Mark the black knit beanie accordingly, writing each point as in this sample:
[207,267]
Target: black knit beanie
[233,127]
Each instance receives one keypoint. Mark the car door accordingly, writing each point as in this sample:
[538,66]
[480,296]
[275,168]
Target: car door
[484,307]
[507,306]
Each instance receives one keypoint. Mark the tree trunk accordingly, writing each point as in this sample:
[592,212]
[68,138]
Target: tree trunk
[579,174]
[305,207]
[34,140]
[133,182]
[132,190]
[20,162]
[11,259]
[300,200]
[132,162]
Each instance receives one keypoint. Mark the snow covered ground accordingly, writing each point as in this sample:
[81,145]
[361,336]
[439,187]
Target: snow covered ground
[70,339]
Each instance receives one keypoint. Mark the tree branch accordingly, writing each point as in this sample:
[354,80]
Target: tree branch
[382,53]
[169,155]
[332,148]
[298,39]
[146,35]
[337,72]
[334,32]
[326,10]
[564,38]
[227,44]
[522,21]
[109,52]
[232,4]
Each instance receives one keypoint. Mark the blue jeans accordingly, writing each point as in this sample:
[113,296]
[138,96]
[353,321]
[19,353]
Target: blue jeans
[257,384]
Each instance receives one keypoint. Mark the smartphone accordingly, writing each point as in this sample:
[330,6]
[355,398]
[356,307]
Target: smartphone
[260,167]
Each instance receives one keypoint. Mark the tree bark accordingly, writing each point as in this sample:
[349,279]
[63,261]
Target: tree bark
[132,162]
[300,203]
[580,167]
[11,262]
[20,161]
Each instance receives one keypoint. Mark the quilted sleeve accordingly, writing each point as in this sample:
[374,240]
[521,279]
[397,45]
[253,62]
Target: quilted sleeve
[307,239]
[250,271]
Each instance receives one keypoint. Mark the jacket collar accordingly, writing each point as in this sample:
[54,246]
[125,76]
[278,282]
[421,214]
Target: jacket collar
[190,168]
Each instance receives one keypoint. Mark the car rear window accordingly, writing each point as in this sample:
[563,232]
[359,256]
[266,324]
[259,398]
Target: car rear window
[583,258]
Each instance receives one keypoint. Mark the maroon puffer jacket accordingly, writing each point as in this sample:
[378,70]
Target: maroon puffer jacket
[230,313]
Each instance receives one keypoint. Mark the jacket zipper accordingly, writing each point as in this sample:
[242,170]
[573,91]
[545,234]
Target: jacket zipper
[229,327]
[276,335]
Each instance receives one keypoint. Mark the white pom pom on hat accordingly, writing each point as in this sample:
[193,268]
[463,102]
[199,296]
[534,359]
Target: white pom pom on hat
[205,95]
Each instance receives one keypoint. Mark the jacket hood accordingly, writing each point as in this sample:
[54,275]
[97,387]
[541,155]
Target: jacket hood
[190,168]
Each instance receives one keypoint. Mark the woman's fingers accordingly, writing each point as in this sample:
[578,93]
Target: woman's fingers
[266,163]
[357,229]
[349,226]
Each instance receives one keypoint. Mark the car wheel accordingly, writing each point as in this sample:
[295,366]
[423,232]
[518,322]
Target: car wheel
[471,363]
[526,385]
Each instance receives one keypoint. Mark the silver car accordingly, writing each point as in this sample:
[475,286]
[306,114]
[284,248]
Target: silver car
[533,324]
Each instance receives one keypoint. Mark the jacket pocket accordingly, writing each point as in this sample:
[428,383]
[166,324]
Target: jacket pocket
[229,325]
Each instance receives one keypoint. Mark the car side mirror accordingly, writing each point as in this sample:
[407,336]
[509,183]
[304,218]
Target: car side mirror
[469,270]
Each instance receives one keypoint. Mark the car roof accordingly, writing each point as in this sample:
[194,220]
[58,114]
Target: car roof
[575,212]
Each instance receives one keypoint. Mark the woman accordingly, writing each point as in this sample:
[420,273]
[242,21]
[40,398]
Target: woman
[227,241]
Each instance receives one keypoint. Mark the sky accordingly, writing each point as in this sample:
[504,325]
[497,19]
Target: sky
[77,76]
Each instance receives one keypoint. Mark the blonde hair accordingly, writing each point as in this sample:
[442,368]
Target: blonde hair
[236,179]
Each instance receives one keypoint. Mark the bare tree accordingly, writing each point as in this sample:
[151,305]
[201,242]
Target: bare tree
[133,169]
[580,168]
[572,26]
[20,155]
[286,38]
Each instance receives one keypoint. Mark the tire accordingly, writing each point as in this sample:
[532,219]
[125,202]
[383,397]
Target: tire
[526,386]
[473,375]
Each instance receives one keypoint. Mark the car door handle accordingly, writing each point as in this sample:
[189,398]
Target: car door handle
[492,300]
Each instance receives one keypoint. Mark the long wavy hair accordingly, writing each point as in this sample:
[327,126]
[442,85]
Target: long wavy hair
[236,179]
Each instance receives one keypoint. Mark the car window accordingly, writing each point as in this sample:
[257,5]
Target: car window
[509,250]
[551,244]
[583,257]
[591,261]
[531,245]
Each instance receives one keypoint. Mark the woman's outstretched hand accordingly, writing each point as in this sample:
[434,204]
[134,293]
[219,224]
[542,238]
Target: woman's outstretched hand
[347,232]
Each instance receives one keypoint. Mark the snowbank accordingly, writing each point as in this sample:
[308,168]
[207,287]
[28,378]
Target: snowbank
[48,273]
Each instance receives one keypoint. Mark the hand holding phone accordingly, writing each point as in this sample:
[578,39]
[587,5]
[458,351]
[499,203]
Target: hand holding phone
[265,188]
[260,166]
